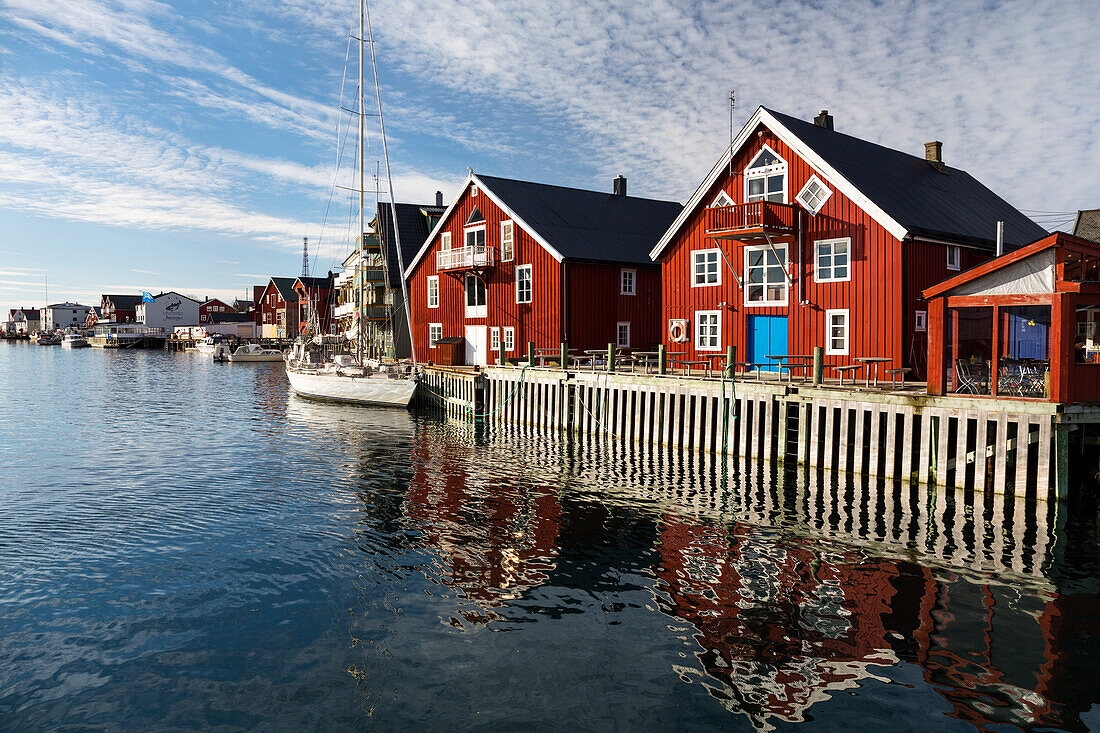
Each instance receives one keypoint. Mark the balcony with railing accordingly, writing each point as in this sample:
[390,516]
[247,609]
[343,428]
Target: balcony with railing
[466,258]
[753,219]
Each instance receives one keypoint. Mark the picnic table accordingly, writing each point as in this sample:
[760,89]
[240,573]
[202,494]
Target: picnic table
[544,355]
[646,358]
[866,362]
[793,361]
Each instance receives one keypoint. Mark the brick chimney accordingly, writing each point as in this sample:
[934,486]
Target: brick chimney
[824,119]
[933,153]
[438,198]
[619,186]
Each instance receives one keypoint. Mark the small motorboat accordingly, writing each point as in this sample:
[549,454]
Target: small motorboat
[47,339]
[254,352]
[210,344]
[73,341]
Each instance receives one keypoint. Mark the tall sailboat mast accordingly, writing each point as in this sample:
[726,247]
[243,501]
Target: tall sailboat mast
[389,182]
[362,185]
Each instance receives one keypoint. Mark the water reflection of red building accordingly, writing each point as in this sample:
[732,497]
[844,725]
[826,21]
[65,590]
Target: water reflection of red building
[494,539]
[780,626]
[783,625]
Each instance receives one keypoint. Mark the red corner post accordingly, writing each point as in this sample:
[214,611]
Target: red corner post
[1063,322]
[934,368]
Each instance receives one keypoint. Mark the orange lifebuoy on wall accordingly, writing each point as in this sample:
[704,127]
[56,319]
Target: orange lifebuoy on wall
[678,330]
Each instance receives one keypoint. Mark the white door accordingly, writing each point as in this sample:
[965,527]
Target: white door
[477,348]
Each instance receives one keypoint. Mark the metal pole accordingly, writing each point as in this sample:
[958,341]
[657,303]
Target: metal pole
[362,185]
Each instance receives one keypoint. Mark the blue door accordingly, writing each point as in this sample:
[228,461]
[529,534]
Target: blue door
[766,335]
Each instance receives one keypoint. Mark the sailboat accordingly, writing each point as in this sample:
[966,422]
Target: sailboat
[311,367]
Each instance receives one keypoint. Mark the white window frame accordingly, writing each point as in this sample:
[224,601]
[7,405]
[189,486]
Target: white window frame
[494,340]
[767,172]
[633,277]
[955,262]
[445,241]
[473,190]
[433,290]
[529,269]
[808,202]
[695,256]
[475,311]
[920,321]
[722,199]
[830,350]
[832,259]
[717,335]
[467,231]
[509,334]
[509,227]
[619,342]
[747,285]
[433,329]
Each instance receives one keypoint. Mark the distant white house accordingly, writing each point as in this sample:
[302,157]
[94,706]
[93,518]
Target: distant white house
[60,316]
[168,310]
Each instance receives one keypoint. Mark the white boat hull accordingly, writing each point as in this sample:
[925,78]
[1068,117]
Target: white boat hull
[255,357]
[77,344]
[372,390]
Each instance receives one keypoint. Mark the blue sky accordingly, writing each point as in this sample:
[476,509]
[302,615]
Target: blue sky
[190,145]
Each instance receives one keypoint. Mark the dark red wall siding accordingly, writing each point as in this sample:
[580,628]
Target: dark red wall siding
[596,305]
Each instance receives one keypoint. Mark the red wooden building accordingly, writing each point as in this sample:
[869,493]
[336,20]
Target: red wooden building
[514,262]
[1021,326]
[278,307]
[315,298]
[211,307]
[802,236]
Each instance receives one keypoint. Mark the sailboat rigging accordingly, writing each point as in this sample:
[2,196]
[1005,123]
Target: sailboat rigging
[343,377]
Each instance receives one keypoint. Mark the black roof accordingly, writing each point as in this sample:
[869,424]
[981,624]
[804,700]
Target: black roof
[315,282]
[285,286]
[950,204]
[412,225]
[124,302]
[588,225]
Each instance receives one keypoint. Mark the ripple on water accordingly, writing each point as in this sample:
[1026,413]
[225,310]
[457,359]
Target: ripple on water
[185,545]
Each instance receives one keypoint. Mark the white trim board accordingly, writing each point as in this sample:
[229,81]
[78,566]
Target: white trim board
[823,169]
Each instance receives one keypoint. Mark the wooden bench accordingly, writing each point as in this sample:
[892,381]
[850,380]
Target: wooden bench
[897,374]
[790,369]
[844,371]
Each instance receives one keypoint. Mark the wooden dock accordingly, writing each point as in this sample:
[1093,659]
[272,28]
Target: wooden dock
[1018,448]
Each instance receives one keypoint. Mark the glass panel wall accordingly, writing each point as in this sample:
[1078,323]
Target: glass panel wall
[969,349]
[1023,368]
[1086,344]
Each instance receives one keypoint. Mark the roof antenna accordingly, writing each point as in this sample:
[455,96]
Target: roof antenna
[305,256]
[733,103]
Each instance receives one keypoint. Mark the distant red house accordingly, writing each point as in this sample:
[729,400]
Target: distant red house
[315,298]
[802,236]
[514,262]
[278,309]
[211,307]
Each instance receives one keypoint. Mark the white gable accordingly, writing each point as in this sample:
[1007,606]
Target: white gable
[1029,276]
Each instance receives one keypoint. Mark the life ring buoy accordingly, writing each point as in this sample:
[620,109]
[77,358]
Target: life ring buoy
[678,330]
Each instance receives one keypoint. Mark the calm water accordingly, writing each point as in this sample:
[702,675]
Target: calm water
[183,544]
